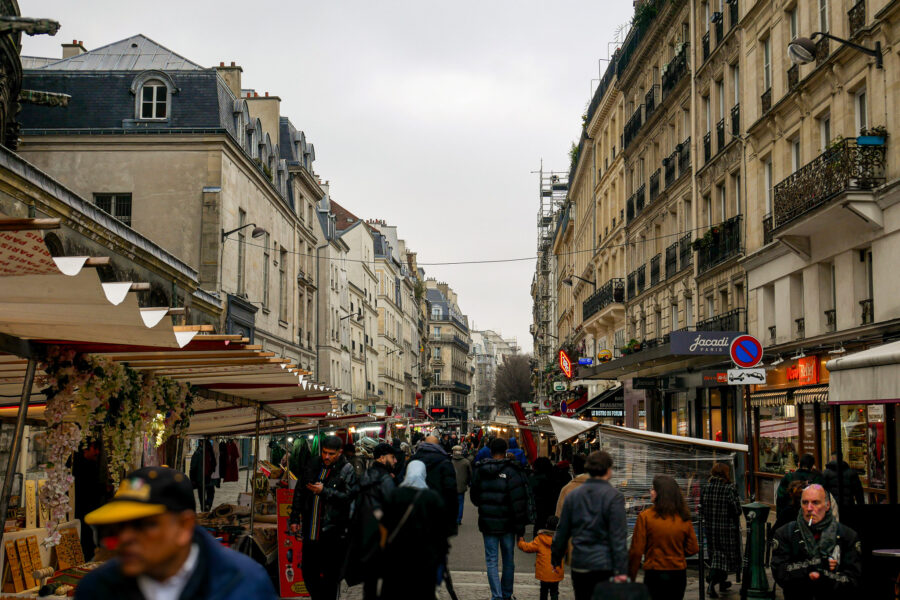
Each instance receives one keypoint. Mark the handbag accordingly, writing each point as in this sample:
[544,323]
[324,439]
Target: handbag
[387,539]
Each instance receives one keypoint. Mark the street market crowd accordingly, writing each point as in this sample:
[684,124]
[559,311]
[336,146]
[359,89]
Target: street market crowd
[359,514]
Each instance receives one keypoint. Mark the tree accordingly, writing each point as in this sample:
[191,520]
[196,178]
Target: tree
[513,382]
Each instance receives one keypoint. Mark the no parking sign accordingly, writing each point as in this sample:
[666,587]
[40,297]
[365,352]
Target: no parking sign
[746,351]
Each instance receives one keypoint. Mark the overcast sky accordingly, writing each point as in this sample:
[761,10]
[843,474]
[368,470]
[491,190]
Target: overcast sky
[430,115]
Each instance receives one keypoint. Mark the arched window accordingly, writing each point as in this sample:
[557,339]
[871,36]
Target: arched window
[153,92]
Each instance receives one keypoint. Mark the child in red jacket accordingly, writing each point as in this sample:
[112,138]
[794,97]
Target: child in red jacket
[548,575]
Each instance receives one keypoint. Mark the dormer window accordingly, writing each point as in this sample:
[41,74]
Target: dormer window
[154,100]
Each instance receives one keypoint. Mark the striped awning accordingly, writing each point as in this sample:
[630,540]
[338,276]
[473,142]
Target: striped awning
[811,395]
[778,398]
[778,428]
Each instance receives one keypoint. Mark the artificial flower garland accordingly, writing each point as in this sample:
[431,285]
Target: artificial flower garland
[91,397]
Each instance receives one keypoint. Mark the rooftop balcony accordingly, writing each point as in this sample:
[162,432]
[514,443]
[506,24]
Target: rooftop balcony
[612,292]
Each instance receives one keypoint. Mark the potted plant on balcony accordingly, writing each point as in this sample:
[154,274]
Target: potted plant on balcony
[874,136]
[631,347]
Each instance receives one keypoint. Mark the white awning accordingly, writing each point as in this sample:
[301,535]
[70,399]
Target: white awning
[868,377]
[565,429]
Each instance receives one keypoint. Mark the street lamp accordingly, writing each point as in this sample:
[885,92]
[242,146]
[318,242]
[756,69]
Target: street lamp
[257,231]
[568,281]
[802,50]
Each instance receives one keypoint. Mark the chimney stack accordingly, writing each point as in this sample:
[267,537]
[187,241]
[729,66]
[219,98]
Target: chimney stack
[232,76]
[74,49]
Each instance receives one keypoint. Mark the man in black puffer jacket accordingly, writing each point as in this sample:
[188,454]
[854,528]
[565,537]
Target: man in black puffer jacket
[440,477]
[500,491]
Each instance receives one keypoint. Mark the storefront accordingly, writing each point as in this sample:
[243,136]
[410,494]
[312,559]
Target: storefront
[608,407]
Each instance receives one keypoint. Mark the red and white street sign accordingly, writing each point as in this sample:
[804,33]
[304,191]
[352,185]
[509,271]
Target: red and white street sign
[746,351]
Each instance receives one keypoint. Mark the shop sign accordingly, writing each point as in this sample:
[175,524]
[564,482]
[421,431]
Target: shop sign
[714,378]
[809,372]
[546,404]
[808,431]
[644,383]
[670,382]
[438,411]
[290,549]
[746,376]
[604,355]
[608,413]
[559,386]
[702,342]
[565,363]
[587,362]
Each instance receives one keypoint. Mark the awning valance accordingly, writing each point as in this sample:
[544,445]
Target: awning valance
[777,398]
[811,395]
[868,377]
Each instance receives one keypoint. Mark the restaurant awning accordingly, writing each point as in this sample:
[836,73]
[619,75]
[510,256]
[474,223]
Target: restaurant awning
[778,398]
[868,377]
[811,395]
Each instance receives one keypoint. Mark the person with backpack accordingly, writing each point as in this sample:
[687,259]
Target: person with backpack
[412,528]
[547,574]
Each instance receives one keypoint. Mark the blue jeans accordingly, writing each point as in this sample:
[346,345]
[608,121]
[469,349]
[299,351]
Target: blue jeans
[501,587]
[462,503]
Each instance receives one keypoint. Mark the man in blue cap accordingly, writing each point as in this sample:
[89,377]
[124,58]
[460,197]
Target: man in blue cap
[161,553]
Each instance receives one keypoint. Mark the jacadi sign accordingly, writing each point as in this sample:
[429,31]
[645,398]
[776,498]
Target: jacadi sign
[702,342]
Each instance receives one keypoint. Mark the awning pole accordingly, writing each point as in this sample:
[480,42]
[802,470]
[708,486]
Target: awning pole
[255,470]
[17,438]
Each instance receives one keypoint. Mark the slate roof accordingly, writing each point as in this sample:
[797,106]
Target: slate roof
[344,219]
[136,53]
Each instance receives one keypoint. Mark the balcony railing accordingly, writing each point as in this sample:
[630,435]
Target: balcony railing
[612,291]
[844,166]
[675,71]
[639,199]
[669,165]
[801,327]
[685,253]
[629,210]
[793,77]
[707,147]
[654,187]
[671,260]
[733,320]
[641,278]
[823,49]
[736,120]
[632,277]
[868,314]
[633,126]
[684,157]
[720,243]
[732,13]
[857,16]
[720,135]
[650,101]
[766,100]
[654,269]
[720,29]
[705,46]
[830,320]
[767,230]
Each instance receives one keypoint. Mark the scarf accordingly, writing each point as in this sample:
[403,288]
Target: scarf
[415,476]
[827,531]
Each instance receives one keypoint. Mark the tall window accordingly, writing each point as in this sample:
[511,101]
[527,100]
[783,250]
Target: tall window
[862,116]
[823,15]
[736,84]
[154,100]
[767,181]
[116,205]
[707,205]
[722,209]
[795,155]
[767,66]
[673,317]
[720,90]
[792,18]
[282,286]
[707,113]
[265,298]
[825,131]
[242,238]
[737,194]
[688,311]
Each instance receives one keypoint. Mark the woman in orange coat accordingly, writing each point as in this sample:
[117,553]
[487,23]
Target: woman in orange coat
[663,536]
[547,574]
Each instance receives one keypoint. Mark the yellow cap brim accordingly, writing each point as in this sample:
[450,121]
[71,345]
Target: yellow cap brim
[119,511]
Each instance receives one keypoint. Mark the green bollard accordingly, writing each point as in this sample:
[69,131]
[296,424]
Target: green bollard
[757,584]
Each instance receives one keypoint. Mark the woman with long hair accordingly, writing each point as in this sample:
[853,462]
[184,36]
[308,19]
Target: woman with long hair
[721,510]
[663,537]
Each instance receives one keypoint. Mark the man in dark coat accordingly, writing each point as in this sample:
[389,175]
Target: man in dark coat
[806,473]
[501,492]
[721,510]
[441,478]
[322,501]
[814,557]
[850,485]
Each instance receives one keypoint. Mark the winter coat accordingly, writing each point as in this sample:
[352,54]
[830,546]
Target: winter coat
[721,510]
[337,496]
[483,454]
[231,456]
[785,512]
[365,557]
[852,486]
[792,564]
[517,452]
[546,493]
[500,491]
[202,456]
[463,469]
[441,477]
[220,574]
[593,517]
[663,543]
[567,489]
[543,570]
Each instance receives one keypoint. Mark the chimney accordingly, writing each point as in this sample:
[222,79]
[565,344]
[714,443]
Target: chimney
[73,49]
[232,76]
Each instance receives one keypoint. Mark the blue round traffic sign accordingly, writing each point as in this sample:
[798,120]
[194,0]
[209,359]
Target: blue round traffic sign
[746,351]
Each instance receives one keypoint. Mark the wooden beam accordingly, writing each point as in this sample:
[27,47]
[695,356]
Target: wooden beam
[97,261]
[139,287]
[194,328]
[222,337]
[185,355]
[140,364]
[28,224]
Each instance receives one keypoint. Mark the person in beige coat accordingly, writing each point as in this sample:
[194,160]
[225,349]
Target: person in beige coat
[580,477]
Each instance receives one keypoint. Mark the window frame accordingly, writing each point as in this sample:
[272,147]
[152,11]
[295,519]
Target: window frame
[114,206]
[157,80]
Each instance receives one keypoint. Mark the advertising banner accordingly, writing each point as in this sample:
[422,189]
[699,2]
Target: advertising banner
[290,576]
[702,342]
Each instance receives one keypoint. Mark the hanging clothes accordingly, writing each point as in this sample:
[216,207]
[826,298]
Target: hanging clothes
[232,456]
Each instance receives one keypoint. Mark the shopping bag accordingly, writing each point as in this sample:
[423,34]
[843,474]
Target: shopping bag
[609,590]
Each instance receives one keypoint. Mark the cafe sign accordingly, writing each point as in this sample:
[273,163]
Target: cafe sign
[702,342]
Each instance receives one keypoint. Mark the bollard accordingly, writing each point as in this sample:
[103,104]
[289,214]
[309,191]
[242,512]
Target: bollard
[756,584]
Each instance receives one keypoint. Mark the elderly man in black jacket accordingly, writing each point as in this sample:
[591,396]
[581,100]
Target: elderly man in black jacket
[814,556]
[322,502]
[501,492]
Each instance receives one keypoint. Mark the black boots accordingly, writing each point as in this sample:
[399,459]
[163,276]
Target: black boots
[711,590]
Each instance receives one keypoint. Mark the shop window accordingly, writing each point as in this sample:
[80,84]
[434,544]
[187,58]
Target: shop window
[779,437]
[864,444]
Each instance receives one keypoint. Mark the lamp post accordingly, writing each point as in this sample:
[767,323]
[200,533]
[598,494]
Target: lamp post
[256,233]
[568,281]
[802,50]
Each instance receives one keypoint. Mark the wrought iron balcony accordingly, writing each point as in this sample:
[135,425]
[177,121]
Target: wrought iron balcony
[868,313]
[669,164]
[639,198]
[823,49]
[720,30]
[857,16]
[842,167]
[736,120]
[654,269]
[733,320]
[733,13]
[629,210]
[685,253]
[671,260]
[675,71]
[684,157]
[766,100]
[707,147]
[632,277]
[611,292]
[793,77]
[641,278]
[767,230]
[654,186]
[830,320]
[650,101]
[801,327]
[705,46]
[719,244]
[720,135]
[633,126]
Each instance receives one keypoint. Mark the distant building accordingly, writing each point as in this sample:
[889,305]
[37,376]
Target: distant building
[489,350]
[449,344]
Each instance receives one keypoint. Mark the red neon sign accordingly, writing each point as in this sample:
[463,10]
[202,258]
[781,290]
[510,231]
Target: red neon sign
[565,363]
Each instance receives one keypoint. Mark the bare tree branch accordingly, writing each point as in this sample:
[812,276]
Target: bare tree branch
[513,382]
